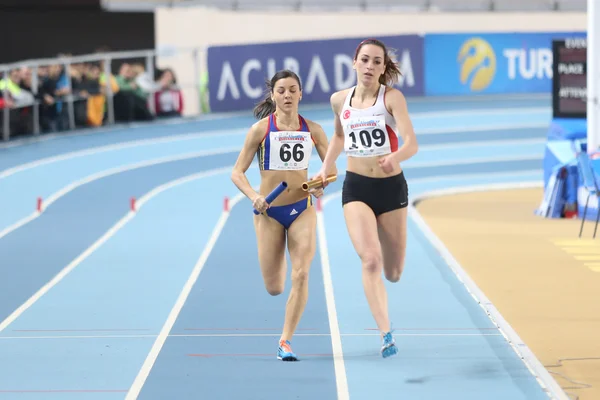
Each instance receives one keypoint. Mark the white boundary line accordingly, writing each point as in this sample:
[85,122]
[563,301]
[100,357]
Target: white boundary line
[546,381]
[112,147]
[481,128]
[238,132]
[333,195]
[481,143]
[107,235]
[466,161]
[336,340]
[103,174]
[144,371]
[548,384]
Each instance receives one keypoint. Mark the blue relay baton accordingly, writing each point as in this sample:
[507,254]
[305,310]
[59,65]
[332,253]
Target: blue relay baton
[273,195]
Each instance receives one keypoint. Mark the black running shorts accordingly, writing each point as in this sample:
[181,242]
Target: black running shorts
[381,194]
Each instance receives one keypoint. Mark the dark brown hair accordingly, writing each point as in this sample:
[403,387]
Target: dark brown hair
[266,107]
[392,70]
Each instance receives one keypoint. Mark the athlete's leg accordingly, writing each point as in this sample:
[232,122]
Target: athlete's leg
[301,244]
[362,228]
[270,237]
[392,235]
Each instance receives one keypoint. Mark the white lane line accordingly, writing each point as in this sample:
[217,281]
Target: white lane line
[545,380]
[476,160]
[482,144]
[239,132]
[107,235]
[144,371]
[336,340]
[465,177]
[113,147]
[482,128]
[103,174]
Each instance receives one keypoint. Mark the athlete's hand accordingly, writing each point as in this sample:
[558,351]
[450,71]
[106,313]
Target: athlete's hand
[260,204]
[387,163]
[322,175]
[316,192]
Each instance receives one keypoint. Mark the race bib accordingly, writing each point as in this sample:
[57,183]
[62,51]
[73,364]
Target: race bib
[366,137]
[289,150]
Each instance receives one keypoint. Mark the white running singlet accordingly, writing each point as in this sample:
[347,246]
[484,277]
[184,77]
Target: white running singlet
[370,131]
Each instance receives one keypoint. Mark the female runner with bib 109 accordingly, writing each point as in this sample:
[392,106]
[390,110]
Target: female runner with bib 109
[368,119]
[283,141]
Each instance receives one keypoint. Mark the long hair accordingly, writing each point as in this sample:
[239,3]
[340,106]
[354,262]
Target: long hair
[266,106]
[392,70]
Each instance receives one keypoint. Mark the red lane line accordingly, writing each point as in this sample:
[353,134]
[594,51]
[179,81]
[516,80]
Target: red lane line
[244,329]
[254,355]
[79,330]
[437,329]
[66,391]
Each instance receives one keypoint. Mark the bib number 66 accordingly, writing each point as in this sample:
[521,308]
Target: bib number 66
[287,152]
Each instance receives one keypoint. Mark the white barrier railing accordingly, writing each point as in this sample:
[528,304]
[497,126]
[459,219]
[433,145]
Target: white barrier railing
[364,5]
[153,60]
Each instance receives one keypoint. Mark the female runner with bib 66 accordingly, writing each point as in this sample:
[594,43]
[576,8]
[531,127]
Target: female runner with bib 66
[368,119]
[283,141]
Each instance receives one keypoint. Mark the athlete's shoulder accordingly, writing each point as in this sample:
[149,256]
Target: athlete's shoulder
[312,125]
[260,127]
[394,98]
[339,96]
[394,93]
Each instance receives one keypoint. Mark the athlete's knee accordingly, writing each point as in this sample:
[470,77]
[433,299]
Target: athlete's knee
[393,274]
[274,290]
[372,261]
[274,287]
[300,276]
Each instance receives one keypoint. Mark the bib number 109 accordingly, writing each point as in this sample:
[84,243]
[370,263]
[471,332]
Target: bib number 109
[368,139]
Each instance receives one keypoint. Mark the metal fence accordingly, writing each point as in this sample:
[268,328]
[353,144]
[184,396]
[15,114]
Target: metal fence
[30,105]
[365,5]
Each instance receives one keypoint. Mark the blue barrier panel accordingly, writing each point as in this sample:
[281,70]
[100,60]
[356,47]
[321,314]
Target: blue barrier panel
[461,64]
[237,73]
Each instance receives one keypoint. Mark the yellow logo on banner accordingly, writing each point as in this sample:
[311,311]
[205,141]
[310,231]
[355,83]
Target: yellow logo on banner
[477,64]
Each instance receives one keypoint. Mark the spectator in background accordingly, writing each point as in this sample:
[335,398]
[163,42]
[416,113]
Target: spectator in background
[53,116]
[138,96]
[18,101]
[86,85]
[130,102]
[96,101]
[168,99]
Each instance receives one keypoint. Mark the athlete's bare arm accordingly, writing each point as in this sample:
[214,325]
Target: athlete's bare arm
[337,102]
[238,175]
[322,143]
[337,140]
[396,104]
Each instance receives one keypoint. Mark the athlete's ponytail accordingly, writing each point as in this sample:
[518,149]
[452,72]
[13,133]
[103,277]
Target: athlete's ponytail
[266,106]
[392,70]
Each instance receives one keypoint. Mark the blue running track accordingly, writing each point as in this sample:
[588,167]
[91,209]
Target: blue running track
[167,301]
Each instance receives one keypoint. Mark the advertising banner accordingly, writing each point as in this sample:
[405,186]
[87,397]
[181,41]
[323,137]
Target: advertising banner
[237,73]
[466,64]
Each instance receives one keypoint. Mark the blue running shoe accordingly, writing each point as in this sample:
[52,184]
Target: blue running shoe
[285,352]
[389,346]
